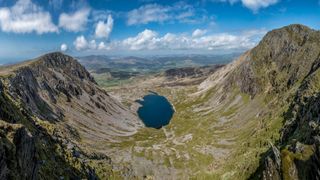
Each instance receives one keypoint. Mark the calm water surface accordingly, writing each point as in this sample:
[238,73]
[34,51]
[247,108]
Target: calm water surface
[156,111]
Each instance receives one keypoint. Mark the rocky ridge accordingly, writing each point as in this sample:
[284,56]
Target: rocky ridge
[283,70]
[55,101]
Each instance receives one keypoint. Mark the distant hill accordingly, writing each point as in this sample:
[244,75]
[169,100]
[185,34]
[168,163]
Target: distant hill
[153,64]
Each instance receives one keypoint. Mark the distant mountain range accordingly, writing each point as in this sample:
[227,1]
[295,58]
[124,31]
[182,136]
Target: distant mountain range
[112,71]
[153,64]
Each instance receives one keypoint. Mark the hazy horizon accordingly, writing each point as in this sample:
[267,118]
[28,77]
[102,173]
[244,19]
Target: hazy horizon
[29,28]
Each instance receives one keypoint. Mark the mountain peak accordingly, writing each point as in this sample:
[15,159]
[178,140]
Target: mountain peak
[295,34]
[283,57]
[296,28]
[285,40]
[56,59]
[64,64]
[293,29]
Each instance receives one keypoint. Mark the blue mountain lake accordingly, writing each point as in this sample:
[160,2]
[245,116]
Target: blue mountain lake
[156,111]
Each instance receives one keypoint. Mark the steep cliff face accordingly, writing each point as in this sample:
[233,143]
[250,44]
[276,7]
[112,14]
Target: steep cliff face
[53,115]
[56,87]
[27,150]
[298,154]
[18,154]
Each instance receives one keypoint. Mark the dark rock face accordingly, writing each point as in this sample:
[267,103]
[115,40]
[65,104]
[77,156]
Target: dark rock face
[64,64]
[25,154]
[22,153]
[49,76]
[246,80]
[272,170]
[17,158]
[26,87]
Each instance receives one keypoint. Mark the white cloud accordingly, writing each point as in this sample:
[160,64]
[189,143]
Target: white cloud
[80,43]
[103,46]
[254,5]
[26,17]
[148,13]
[63,47]
[92,44]
[103,30]
[150,40]
[198,32]
[178,12]
[198,40]
[76,21]
[146,39]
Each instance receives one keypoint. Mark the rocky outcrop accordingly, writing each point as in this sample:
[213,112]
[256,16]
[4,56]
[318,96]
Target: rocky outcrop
[17,155]
[55,87]
[45,79]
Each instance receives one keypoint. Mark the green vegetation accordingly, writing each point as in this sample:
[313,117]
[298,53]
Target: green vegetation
[288,160]
[207,144]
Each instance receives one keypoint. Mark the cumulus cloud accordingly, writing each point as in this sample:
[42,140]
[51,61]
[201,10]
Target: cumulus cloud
[146,39]
[80,43]
[254,5]
[197,40]
[92,44]
[150,40]
[75,21]
[103,29]
[63,47]
[103,46]
[198,32]
[26,17]
[148,13]
[178,12]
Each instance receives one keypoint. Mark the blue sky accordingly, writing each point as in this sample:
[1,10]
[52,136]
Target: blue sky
[29,28]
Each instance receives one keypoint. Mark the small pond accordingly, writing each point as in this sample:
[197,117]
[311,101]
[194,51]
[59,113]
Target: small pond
[156,111]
